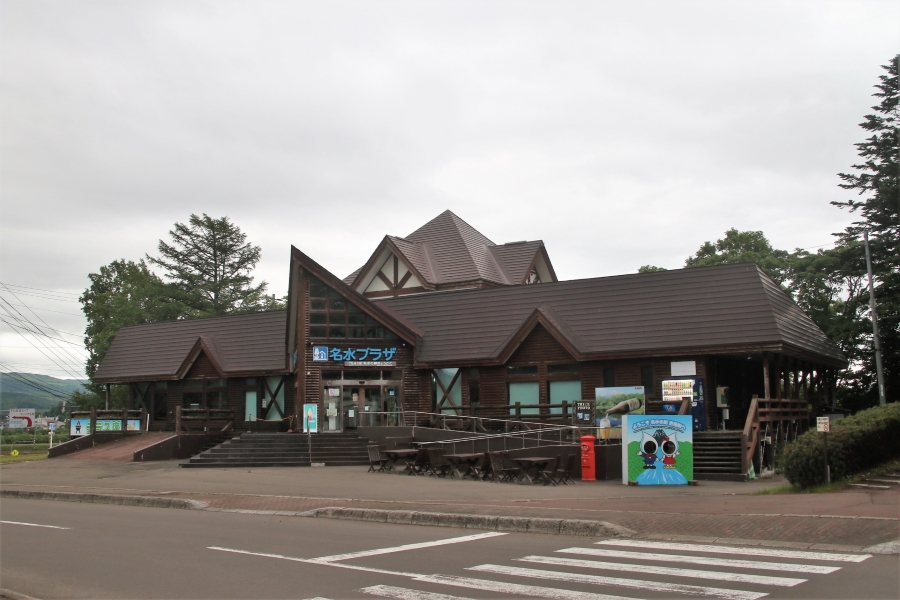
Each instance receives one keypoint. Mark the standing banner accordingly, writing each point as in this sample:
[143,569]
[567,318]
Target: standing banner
[612,403]
[657,450]
[310,418]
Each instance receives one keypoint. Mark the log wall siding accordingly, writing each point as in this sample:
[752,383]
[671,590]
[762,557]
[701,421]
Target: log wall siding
[202,368]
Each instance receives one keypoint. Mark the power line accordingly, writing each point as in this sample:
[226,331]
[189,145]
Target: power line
[23,287]
[21,378]
[44,334]
[60,352]
[78,359]
[39,348]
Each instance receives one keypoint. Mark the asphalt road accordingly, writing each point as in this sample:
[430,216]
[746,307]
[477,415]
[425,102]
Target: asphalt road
[103,551]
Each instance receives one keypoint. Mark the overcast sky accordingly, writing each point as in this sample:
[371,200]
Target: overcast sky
[620,133]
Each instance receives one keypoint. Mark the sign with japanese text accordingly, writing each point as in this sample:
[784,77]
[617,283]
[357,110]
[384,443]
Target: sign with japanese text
[657,450]
[21,418]
[584,413]
[83,426]
[823,424]
[356,357]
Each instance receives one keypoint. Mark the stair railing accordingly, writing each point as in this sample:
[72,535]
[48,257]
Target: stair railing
[779,413]
[750,436]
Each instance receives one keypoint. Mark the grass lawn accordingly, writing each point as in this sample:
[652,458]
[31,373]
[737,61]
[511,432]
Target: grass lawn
[22,458]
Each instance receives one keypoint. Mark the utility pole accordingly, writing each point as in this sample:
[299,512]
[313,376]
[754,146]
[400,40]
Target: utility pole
[878,369]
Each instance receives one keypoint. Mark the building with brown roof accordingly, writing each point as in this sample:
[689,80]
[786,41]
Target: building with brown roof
[444,321]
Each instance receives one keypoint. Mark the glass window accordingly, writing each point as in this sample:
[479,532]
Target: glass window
[523,370]
[318,318]
[356,319]
[338,305]
[571,368]
[216,400]
[375,332]
[250,382]
[564,391]
[192,400]
[609,377]
[215,383]
[161,385]
[331,374]
[337,332]
[474,373]
[445,377]
[318,305]
[356,332]
[474,393]
[526,393]
[337,318]
[317,332]
[193,383]
[317,289]
[390,335]
[647,380]
[391,374]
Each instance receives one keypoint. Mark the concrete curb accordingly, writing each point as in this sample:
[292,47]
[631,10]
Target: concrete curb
[148,501]
[465,521]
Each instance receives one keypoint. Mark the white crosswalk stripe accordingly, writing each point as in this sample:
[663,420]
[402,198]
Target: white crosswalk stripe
[746,551]
[516,589]
[670,571]
[655,586]
[729,563]
[390,591]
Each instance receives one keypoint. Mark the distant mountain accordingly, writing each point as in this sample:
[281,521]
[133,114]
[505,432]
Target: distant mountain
[15,394]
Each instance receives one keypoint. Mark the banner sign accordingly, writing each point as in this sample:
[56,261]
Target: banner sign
[584,413]
[612,403]
[310,418]
[657,450]
[362,355]
[20,418]
[83,426]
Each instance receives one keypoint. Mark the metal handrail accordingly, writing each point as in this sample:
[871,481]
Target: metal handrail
[521,424]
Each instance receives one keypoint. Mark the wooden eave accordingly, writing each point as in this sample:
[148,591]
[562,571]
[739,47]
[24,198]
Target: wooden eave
[367,306]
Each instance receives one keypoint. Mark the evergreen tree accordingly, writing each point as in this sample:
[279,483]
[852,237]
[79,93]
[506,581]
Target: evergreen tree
[877,183]
[208,265]
[744,246]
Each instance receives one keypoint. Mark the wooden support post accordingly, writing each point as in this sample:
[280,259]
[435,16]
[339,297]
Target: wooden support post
[177,420]
[778,378]
[107,398]
[795,390]
[124,420]
[94,419]
[766,377]
[565,413]
[145,420]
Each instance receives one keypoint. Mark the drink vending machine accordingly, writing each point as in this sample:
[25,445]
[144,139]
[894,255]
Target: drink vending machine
[677,390]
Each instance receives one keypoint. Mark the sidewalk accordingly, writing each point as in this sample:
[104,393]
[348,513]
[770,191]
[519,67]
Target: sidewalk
[712,510]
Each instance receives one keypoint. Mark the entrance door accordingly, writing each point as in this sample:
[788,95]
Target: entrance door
[372,408]
[333,411]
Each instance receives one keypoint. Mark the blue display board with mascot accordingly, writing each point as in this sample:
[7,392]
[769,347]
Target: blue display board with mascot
[657,450]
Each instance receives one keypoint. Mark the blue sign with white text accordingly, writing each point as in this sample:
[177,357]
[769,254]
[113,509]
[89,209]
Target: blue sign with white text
[320,353]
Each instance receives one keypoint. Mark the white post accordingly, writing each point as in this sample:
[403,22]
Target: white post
[877,339]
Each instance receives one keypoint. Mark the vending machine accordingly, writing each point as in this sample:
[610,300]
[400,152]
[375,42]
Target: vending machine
[675,391]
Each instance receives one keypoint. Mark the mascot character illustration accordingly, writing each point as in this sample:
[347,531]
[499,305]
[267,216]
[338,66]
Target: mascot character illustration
[648,451]
[670,451]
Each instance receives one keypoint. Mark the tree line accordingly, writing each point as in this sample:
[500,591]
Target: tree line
[831,285]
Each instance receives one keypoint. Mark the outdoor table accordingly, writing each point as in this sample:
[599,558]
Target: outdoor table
[528,464]
[461,464]
[394,455]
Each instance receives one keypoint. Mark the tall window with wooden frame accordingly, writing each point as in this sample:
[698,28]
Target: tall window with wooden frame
[332,316]
[446,386]
[523,390]
[204,393]
[272,398]
[563,387]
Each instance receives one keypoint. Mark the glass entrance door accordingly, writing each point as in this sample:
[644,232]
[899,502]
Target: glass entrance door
[333,412]
[372,407]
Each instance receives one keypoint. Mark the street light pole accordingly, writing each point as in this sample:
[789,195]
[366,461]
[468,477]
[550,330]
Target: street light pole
[878,369]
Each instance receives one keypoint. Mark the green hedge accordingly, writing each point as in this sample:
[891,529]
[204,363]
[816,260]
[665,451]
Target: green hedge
[856,443]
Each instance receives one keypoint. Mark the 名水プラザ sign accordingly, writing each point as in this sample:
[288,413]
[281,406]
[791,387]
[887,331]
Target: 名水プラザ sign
[657,450]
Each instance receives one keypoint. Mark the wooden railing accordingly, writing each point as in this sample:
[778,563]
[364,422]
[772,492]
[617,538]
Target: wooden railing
[783,418]
[203,420]
[119,416]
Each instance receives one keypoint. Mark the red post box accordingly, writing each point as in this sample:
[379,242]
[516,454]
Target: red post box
[588,458]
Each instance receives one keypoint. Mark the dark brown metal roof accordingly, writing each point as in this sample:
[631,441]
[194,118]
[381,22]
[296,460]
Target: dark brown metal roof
[728,308]
[248,344]
[447,251]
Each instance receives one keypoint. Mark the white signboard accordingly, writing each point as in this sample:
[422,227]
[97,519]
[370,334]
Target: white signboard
[310,418]
[20,418]
[823,424]
[684,368]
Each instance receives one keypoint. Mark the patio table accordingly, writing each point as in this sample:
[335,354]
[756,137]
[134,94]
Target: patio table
[462,464]
[394,455]
[529,464]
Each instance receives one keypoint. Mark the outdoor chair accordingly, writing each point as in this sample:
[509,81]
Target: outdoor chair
[564,471]
[499,472]
[438,465]
[419,465]
[376,460]
[548,474]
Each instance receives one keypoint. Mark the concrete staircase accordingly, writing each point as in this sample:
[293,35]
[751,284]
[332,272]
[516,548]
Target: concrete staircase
[284,450]
[717,456]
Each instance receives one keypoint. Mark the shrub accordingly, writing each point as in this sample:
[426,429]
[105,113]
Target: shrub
[855,444]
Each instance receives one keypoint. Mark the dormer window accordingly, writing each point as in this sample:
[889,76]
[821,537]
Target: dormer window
[533,277]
